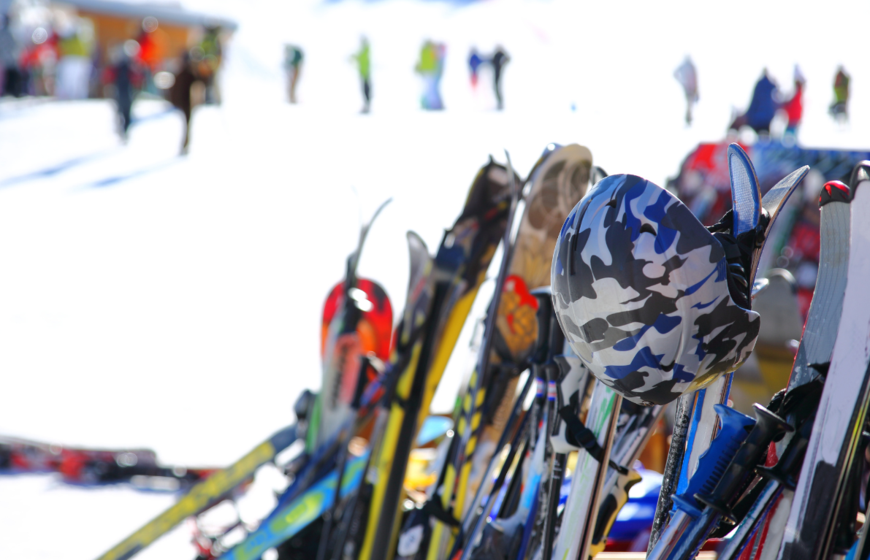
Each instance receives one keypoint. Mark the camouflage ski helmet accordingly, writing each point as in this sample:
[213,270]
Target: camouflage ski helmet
[646,295]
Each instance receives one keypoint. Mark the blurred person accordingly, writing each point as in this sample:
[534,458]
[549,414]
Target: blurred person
[126,76]
[431,67]
[363,63]
[762,107]
[74,67]
[180,97]
[794,108]
[293,56]
[152,51]
[839,109]
[207,69]
[688,78]
[12,79]
[499,60]
[474,63]
[39,61]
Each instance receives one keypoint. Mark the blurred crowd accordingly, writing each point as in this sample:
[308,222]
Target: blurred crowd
[55,52]
[430,68]
[767,100]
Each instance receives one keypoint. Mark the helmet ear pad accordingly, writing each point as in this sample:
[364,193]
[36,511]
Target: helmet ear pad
[640,289]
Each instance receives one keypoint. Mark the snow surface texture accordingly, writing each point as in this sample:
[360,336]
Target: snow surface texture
[174,302]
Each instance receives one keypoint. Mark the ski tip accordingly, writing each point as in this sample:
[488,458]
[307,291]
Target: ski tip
[414,239]
[860,174]
[745,193]
[834,191]
[598,174]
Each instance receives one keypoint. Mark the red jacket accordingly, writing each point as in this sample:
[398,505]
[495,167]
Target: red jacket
[794,107]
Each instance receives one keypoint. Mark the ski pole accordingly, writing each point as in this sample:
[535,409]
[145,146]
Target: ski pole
[735,428]
[717,503]
[465,542]
[502,476]
[329,518]
[671,476]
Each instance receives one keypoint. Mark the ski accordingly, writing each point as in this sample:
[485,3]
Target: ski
[558,180]
[80,465]
[751,216]
[842,409]
[816,346]
[549,341]
[342,345]
[204,495]
[577,524]
[305,509]
[690,526]
[460,268]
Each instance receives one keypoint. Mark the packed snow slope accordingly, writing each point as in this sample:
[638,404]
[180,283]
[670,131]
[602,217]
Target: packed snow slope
[174,302]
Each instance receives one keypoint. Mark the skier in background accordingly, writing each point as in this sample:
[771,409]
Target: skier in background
[152,51]
[179,95]
[75,48]
[761,109]
[688,78]
[363,63]
[293,64]
[498,61]
[474,62]
[125,75]
[794,108]
[839,109]
[11,79]
[207,69]
[431,67]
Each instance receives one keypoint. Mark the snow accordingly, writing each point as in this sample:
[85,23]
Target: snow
[174,302]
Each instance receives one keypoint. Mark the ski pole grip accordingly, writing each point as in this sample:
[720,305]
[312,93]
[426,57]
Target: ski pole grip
[714,462]
[767,427]
[788,467]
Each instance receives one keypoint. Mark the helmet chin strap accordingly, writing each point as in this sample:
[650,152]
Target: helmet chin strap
[739,252]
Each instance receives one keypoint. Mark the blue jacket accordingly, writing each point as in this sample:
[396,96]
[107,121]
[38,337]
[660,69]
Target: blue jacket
[763,106]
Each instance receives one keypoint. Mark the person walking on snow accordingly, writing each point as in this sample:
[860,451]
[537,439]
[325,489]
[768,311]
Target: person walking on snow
[127,78]
[839,109]
[431,67]
[498,61]
[361,57]
[794,108]
[762,108]
[688,78]
[474,62]
[179,95]
[293,64]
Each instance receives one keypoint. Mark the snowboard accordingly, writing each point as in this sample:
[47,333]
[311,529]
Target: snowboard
[559,180]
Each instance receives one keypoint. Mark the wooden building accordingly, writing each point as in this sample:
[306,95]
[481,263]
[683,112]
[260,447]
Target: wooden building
[172,28]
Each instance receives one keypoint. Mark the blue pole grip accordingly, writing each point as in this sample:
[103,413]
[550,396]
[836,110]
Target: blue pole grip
[713,463]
